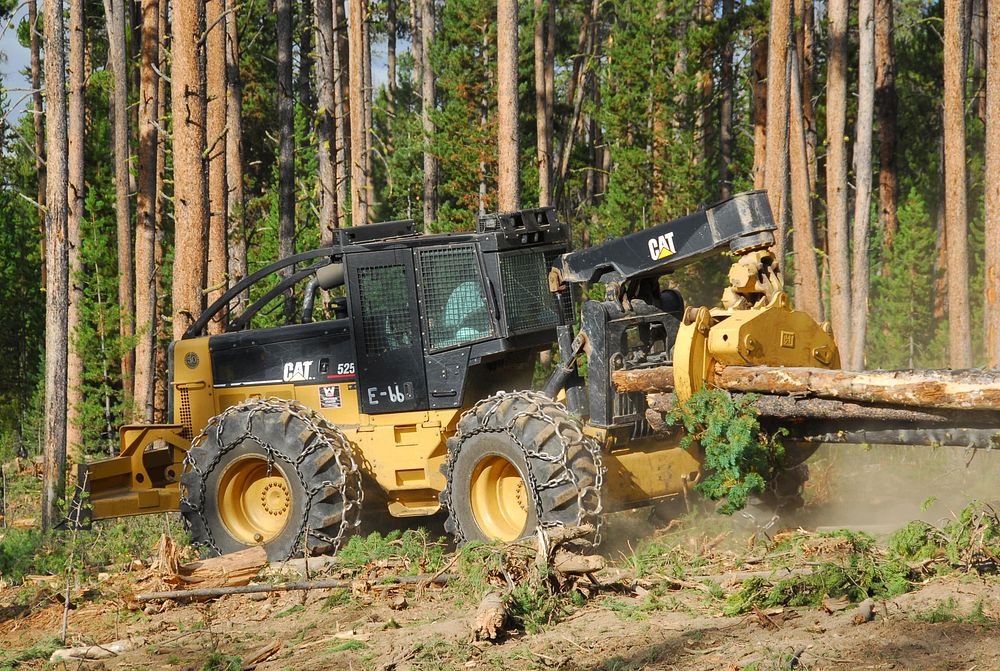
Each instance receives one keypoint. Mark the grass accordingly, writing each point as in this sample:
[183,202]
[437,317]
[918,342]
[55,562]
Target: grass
[344,646]
[218,661]
[414,549]
[339,597]
[41,650]
[292,610]
[947,611]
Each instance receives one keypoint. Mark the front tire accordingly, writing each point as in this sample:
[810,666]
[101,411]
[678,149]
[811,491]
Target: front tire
[270,472]
[517,462]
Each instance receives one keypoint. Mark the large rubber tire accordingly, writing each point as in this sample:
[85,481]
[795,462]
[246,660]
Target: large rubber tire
[270,472]
[527,439]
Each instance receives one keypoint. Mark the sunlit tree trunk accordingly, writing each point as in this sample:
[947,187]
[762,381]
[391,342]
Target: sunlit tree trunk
[758,62]
[427,105]
[543,151]
[807,295]
[76,193]
[885,104]
[340,120]
[991,309]
[955,203]
[776,164]
[57,264]
[508,163]
[357,9]
[286,145]
[215,128]
[237,265]
[38,117]
[325,48]
[836,175]
[726,109]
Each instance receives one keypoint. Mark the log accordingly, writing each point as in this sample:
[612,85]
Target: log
[570,563]
[647,380]
[91,652]
[231,570]
[212,592]
[490,617]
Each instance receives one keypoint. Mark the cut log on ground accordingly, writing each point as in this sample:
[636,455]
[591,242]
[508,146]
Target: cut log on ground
[212,592]
[231,570]
[490,617]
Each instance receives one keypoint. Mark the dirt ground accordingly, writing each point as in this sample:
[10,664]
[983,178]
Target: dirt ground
[637,619]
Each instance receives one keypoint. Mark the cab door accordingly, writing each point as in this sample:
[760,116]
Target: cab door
[386,321]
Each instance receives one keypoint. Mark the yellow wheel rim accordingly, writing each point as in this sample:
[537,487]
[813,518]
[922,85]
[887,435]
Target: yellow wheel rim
[255,500]
[499,499]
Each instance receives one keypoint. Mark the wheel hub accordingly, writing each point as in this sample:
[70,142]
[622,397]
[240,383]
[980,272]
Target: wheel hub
[255,500]
[499,498]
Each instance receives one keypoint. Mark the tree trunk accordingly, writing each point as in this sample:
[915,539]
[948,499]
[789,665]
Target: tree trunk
[726,109]
[76,193]
[57,266]
[955,204]
[885,104]
[391,29]
[991,309]
[340,121]
[215,128]
[550,89]
[804,41]
[836,175]
[286,146]
[356,84]
[145,230]
[576,92]
[160,324]
[188,112]
[776,165]
[307,95]
[855,358]
[758,60]
[427,105]
[114,11]
[366,93]
[325,48]
[807,294]
[235,207]
[544,156]
[977,40]
[508,163]
[38,116]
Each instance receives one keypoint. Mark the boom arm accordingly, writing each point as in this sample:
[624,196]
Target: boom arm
[743,222]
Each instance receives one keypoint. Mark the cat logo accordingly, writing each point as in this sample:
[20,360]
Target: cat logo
[296,371]
[662,246]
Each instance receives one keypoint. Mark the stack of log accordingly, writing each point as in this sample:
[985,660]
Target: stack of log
[947,407]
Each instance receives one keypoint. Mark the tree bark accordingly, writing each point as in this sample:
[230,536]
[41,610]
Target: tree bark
[237,264]
[358,10]
[76,194]
[286,146]
[190,217]
[758,60]
[325,48]
[57,266]
[161,326]
[216,20]
[776,166]
[726,108]
[427,105]
[304,85]
[955,203]
[340,120]
[836,174]
[544,158]
[391,29]
[885,103]
[114,11]
[804,46]
[38,117]
[508,163]
[807,293]
[855,358]
[991,310]
[367,92]
[145,230]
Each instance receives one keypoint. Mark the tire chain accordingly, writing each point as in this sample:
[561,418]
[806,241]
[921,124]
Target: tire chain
[537,404]
[328,435]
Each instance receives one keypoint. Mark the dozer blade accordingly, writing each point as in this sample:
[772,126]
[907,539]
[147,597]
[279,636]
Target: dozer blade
[143,478]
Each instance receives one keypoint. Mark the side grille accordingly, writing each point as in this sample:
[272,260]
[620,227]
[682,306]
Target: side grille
[527,300]
[454,302]
[385,309]
[185,414]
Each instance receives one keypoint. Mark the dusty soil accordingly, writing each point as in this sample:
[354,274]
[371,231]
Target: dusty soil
[655,621]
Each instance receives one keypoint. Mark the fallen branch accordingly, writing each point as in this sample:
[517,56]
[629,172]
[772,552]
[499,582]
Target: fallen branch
[212,592]
[96,651]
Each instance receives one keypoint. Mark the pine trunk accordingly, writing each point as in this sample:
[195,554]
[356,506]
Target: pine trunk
[508,155]
[215,128]
[992,205]
[390,38]
[190,216]
[726,109]
[325,48]
[340,120]
[758,60]
[114,11]
[161,326]
[304,85]
[366,93]
[237,264]
[860,237]
[955,203]
[356,84]
[145,230]
[807,295]
[544,157]
[57,265]
[428,102]
[38,117]
[76,193]
[804,45]
[885,104]
[836,174]
[776,162]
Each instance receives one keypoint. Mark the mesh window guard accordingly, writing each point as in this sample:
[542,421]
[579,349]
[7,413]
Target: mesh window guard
[529,304]
[385,310]
[453,299]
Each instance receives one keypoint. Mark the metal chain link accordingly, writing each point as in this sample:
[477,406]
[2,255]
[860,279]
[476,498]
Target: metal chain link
[537,406]
[328,437]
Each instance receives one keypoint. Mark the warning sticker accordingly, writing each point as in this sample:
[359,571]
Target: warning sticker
[329,396]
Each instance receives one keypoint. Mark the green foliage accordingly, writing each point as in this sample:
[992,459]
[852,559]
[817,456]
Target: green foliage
[344,646]
[948,611]
[29,552]
[413,547]
[738,456]
[10,660]
[218,661]
[339,597]
[532,606]
[970,540]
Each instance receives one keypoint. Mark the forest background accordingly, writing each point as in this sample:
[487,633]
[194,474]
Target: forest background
[166,149]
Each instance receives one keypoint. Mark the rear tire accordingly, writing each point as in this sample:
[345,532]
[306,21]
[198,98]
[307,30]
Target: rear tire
[517,462]
[270,472]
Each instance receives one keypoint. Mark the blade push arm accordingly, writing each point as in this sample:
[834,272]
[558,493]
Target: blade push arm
[742,223]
